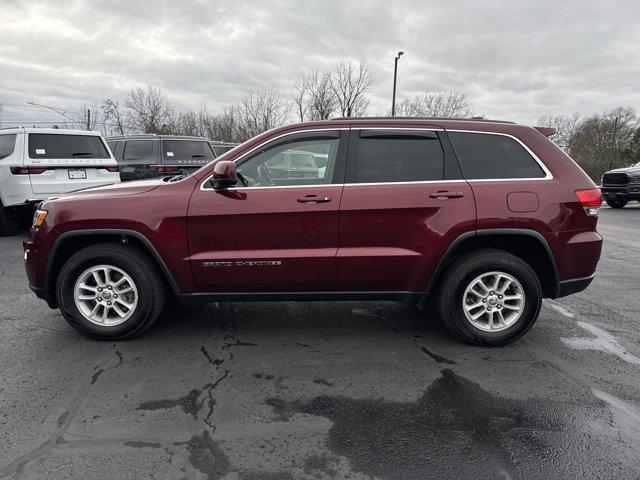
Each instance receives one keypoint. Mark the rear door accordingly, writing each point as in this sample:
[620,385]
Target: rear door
[403,203]
[278,232]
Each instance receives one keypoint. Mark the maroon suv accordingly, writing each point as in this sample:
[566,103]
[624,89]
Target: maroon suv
[485,217]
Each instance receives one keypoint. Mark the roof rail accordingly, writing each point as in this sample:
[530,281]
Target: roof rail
[472,119]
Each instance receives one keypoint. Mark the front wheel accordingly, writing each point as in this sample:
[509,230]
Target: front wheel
[617,202]
[489,297]
[110,291]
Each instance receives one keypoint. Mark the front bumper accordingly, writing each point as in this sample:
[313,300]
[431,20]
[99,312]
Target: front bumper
[629,191]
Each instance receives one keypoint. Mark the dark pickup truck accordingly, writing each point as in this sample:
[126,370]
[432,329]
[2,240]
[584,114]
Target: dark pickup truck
[621,185]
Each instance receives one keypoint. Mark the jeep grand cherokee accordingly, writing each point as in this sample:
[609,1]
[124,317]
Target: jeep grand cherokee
[486,218]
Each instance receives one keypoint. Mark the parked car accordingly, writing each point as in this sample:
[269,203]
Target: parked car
[149,156]
[486,218]
[36,163]
[221,147]
[621,185]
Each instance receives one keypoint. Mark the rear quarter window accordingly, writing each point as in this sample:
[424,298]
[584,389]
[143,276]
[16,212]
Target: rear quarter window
[44,145]
[7,144]
[137,149]
[485,156]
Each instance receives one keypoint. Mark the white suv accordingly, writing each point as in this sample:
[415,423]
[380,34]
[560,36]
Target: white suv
[36,163]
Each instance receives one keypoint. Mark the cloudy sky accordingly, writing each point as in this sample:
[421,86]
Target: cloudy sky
[516,60]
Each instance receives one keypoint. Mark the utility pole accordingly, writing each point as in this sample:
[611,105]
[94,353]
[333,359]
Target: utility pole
[88,119]
[395,76]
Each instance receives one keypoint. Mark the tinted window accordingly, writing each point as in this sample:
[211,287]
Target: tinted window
[7,142]
[43,145]
[220,149]
[485,156]
[301,162]
[137,149]
[187,149]
[396,157]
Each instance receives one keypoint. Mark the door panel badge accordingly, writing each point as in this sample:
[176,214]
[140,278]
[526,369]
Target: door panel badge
[243,263]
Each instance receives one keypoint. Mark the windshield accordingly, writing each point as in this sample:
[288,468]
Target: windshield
[51,145]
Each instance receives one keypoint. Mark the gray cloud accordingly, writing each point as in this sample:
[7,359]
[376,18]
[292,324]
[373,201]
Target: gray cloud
[517,60]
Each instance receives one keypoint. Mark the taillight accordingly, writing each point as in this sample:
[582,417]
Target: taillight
[590,199]
[27,170]
[112,169]
[162,168]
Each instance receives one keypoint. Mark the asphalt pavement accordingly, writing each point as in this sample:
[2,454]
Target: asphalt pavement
[327,390]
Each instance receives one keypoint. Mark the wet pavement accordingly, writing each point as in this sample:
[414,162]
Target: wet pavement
[327,390]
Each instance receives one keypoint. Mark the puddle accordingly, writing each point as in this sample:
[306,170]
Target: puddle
[458,430]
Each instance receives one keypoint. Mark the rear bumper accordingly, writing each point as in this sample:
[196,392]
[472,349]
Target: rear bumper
[575,285]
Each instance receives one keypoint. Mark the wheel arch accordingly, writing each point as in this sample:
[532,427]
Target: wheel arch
[70,242]
[529,245]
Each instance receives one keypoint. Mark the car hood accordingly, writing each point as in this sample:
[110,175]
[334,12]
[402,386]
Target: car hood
[114,190]
[625,170]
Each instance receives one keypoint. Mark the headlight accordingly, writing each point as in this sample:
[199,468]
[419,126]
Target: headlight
[38,218]
[634,178]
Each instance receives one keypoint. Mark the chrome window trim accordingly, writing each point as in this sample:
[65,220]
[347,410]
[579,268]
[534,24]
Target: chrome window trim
[548,175]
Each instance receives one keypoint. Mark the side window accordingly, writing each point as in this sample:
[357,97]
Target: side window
[138,149]
[398,156]
[299,162]
[487,156]
[7,144]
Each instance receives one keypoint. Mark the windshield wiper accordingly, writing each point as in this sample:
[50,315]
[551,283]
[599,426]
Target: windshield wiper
[82,154]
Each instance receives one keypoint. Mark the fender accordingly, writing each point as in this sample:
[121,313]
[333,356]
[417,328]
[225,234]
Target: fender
[451,251]
[48,287]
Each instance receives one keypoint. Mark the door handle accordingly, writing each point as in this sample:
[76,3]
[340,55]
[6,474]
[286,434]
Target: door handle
[443,194]
[312,199]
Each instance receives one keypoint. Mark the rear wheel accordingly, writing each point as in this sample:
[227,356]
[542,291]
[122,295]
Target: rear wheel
[110,291]
[8,223]
[489,297]
[617,202]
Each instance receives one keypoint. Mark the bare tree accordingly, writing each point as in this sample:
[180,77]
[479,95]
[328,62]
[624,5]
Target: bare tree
[149,110]
[452,104]
[565,125]
[598,142]
[113,117]
[259,111]
[350,84]
[315,98]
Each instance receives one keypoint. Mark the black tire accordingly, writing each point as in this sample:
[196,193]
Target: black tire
[617,202]
[141,269]
[8,223]
[463,271]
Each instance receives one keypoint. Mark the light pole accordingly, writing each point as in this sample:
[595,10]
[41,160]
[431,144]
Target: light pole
[395,76]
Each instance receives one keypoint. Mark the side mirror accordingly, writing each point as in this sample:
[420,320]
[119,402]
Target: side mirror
[224,175]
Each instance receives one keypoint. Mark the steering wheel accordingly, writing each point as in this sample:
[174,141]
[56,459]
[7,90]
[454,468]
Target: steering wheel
[265,177]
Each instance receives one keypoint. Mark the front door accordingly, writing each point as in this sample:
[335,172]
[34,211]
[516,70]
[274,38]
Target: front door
[403,203]
[278,230]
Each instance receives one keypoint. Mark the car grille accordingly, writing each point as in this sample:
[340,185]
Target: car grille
[615,179]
